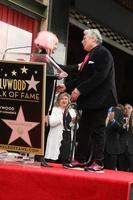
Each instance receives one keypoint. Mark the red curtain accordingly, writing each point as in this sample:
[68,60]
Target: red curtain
[19,20]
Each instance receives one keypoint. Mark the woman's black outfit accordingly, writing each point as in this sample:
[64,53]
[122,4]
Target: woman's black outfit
[51,80]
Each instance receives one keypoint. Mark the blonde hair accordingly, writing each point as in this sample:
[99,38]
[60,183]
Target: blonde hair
[60,96]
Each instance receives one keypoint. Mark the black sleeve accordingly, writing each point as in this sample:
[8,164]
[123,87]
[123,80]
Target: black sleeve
[69,68]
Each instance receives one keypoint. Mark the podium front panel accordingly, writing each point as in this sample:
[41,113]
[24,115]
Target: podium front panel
[22,106]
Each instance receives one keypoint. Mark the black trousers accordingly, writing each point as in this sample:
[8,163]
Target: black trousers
[125,161]
[110,161]
[91,131]
[65,147]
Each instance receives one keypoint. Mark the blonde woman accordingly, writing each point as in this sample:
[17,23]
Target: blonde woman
[55,121]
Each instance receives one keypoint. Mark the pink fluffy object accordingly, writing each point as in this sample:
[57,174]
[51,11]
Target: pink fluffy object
[46,40]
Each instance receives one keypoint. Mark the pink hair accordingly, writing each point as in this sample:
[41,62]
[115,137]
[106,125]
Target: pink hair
[46,40]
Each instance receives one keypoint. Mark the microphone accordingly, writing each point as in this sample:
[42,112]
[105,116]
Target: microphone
[62,74]
[13,48]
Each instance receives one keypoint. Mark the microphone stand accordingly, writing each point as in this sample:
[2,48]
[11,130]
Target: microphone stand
[13,48]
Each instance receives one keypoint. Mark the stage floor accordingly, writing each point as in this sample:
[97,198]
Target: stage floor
[26,182]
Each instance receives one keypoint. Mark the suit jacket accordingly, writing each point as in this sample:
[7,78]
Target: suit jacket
[96,81]
[113,132]
[126,139]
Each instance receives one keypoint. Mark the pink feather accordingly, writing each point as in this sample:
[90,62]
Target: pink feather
[46,40]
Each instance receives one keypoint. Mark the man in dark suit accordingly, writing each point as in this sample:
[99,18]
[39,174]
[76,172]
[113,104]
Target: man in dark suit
[113,131]
[125,160]
[95,91]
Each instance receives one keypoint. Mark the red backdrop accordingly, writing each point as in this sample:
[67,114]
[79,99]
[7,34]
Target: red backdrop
[19,20]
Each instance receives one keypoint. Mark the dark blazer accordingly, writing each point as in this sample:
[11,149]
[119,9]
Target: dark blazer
[126,139]
[112,133]
[50,79]
[96,82]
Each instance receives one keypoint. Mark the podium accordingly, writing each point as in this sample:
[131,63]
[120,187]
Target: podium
[23,101]
[22,106]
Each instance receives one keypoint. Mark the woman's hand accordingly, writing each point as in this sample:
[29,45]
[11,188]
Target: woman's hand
[60,88]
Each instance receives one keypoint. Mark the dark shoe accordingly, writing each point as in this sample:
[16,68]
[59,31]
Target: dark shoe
[94,167]
[45,164]
[74,164]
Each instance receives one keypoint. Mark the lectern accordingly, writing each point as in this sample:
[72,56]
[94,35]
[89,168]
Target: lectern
[22,104]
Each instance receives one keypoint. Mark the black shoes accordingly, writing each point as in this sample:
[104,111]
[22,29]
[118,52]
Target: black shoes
[44,163]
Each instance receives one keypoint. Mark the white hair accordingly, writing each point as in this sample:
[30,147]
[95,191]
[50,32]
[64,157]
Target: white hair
[94,33]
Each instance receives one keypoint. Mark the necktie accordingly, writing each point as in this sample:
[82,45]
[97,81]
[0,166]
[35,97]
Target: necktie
[84,61]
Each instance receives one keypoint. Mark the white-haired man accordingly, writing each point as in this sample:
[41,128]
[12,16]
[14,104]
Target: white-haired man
[95,91]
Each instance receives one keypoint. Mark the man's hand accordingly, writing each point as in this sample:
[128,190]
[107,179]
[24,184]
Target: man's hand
[111,116]
[60,88]
[75,94]
[61,74]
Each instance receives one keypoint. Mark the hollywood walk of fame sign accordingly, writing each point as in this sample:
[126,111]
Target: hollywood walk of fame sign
[22,106]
